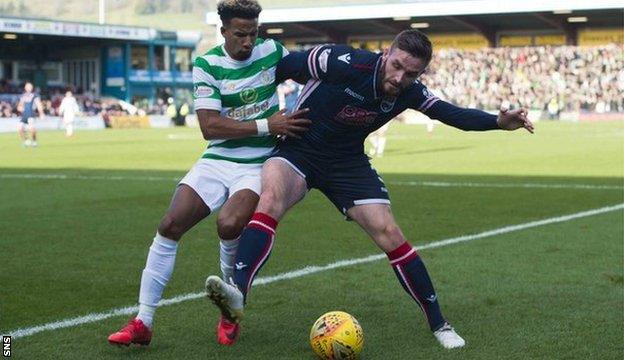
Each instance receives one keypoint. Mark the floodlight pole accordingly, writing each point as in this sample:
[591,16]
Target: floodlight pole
[102,8]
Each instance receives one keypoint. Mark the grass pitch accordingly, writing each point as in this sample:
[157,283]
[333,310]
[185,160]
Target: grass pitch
[77,217]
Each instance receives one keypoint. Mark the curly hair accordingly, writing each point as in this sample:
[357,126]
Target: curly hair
[244,9]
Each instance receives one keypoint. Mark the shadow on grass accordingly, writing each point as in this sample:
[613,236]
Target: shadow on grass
[85,174]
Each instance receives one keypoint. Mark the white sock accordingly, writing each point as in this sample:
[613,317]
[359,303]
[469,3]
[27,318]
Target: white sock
[381,145]
[227,254]
[157,272]
[430,126]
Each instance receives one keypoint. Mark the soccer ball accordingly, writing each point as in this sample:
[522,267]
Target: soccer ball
[337,336]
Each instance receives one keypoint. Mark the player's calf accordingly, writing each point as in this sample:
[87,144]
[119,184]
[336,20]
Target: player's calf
[413,276]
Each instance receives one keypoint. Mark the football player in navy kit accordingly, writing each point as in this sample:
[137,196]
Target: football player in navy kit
[28,104]
[351,93]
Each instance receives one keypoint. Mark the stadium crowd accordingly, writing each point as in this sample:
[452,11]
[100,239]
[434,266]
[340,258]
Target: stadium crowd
[561,78]
[553,79]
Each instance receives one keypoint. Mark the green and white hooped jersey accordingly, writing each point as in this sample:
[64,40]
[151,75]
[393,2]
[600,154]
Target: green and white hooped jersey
[240,90]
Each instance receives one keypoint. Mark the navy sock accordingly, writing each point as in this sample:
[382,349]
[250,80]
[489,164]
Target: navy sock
[413,276]
[254,248]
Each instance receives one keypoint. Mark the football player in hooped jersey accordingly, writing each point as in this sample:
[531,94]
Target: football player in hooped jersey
[237,108]
[359,92]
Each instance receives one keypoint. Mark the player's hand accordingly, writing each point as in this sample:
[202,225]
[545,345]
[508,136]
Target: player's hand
[514,119]
[288,125]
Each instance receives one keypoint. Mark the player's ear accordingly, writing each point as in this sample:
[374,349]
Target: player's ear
[385,54]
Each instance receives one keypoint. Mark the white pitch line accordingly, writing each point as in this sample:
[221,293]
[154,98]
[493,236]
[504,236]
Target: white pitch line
[504,185]
[308,270]
[398,183]
[87,177]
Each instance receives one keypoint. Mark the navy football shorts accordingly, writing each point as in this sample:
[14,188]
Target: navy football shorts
[346,182]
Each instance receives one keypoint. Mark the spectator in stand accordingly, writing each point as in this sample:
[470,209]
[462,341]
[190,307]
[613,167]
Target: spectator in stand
[577,78]
[581,79]
[172,112]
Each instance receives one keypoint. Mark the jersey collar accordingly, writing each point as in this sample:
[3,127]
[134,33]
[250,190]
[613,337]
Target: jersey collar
[234,61]
[375,78]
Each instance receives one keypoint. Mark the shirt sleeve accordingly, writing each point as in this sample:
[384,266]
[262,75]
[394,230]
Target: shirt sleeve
[206,93]
[323,62]
[462,118]
[285,51]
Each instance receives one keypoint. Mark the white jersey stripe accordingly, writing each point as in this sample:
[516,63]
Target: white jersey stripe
[312,85]
[259,51]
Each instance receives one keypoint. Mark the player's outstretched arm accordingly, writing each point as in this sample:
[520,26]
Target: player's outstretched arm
[477,120]
[215,126]
[514,119]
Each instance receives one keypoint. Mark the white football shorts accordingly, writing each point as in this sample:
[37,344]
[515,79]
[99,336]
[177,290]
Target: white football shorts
[216,180]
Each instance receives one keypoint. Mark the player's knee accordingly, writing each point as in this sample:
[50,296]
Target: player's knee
[393,235]
[229,226]
[270,203]
[170,227]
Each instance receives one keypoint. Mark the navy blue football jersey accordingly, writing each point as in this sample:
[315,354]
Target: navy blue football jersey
[341,91]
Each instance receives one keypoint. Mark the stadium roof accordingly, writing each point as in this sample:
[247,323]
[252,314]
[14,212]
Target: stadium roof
[488,17]
[423,8]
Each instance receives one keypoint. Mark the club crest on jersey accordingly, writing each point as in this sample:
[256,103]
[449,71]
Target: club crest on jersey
[387,104]
[202,91]
[249,95]
[266,77]
[427,93]
[353,115]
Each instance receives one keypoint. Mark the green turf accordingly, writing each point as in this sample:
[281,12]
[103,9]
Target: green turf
[75,246]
